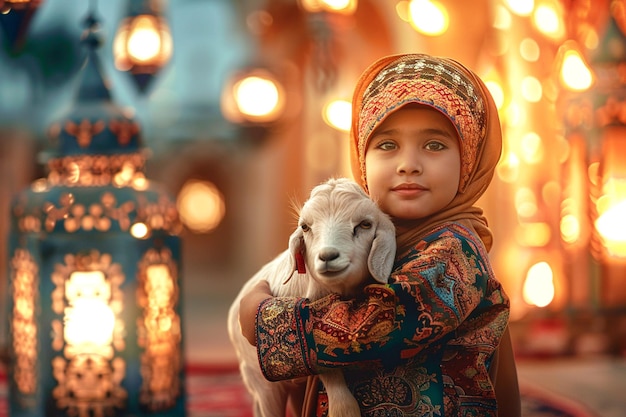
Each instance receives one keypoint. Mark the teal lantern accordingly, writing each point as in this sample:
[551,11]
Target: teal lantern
[94,296]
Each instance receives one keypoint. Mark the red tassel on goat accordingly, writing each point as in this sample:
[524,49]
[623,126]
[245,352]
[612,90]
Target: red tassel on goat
[300,263]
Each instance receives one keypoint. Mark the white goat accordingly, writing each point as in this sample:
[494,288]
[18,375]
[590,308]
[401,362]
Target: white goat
[345,240]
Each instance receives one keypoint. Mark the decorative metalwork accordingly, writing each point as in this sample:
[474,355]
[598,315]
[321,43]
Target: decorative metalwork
[24,329]
[96,170]
[84,130]
[102,215]
[159,330]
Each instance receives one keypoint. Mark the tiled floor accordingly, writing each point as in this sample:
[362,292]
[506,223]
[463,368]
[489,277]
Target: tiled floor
[598,383]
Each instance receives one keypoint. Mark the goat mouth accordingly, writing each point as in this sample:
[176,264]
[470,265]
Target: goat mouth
[329,273]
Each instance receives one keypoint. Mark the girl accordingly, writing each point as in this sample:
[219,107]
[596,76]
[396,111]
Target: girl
[425,141]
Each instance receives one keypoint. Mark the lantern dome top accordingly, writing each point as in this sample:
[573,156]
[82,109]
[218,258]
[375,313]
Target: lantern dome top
[94,125]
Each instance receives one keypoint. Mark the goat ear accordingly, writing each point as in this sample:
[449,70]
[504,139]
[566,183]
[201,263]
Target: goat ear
[383,253]
[296,250]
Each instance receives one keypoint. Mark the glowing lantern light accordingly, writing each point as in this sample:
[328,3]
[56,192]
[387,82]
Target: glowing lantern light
[139,230]
[429,17]
[332,6]
[255,96]
[546,18]
[521,7]
[573,72]
[89,319]
[338,114]
[539,285]
[201,206]
[611,225]
[143,44]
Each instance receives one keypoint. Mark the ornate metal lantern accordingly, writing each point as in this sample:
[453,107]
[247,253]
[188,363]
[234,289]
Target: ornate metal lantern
[94,295]
[143,44]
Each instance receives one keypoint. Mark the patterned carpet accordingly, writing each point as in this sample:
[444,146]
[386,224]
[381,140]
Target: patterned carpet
[222,395]
[218,392]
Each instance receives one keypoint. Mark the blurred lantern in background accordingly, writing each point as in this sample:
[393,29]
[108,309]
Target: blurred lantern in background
[332,6]
[338,114]
[609,179]
[610,204]
[539,285]
[201,206]
[94,298]
[15,17]
[253,96]
[143,43]
[428,17]
[572,69]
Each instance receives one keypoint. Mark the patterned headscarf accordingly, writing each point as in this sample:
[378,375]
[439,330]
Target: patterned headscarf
[458,93]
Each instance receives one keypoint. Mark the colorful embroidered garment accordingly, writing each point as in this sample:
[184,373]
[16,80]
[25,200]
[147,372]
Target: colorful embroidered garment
[418,346]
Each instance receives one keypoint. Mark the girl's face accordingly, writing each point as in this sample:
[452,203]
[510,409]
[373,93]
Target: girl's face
[413,162]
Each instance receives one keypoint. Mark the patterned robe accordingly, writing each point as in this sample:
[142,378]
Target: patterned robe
[418,346]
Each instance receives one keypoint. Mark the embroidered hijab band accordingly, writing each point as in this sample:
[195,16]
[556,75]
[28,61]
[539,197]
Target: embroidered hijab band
[462,97]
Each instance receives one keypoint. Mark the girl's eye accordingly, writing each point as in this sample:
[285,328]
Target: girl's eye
[386,146]
[435,146]
[305,227]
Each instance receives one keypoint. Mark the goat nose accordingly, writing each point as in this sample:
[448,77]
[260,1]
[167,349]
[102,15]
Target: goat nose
[328,254]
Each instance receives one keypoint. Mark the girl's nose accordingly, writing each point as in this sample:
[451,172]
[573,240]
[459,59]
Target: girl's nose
[409,163]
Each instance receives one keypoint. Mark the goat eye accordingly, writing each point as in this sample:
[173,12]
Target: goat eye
[305,227]
[365,224]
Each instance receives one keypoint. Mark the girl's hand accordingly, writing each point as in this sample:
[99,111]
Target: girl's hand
[248,307]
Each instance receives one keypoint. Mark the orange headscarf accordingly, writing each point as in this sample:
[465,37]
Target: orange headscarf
[458,93]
